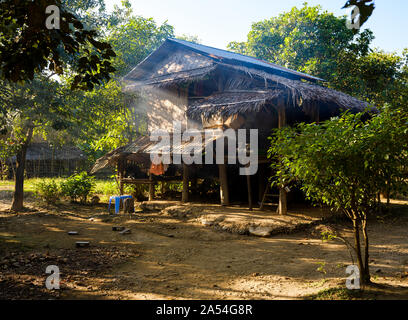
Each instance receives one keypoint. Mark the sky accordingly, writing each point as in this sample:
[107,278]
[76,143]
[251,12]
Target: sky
[218,22]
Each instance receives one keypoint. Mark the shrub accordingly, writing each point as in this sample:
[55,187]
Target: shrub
[78,186]
[48,191]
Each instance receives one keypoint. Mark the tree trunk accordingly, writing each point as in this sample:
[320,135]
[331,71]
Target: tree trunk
[363,267]
[18,197]
[366,276]
[356,229]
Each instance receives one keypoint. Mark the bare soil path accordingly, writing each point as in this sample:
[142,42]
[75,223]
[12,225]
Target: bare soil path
[179,256]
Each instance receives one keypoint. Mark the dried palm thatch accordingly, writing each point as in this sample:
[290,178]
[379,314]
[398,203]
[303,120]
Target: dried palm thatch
[229,103]
[42,151]
[296,94]
[111,158]
[176,78]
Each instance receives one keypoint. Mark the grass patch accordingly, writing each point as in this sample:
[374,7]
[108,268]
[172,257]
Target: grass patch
[103,188]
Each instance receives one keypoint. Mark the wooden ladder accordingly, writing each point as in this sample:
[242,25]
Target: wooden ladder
[267,195]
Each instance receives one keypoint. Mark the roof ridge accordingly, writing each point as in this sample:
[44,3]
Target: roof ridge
[192,45]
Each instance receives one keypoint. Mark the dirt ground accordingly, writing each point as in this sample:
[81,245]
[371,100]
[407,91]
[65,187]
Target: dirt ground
[190,252]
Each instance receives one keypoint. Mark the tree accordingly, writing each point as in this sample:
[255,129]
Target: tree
[30,54]
[27,47]
[377,77]
[316,42]
[306,39]
[343,163]
[36,105]
[133,38]
[107,117]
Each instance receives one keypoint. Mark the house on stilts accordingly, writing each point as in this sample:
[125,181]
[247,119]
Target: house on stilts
[203,88]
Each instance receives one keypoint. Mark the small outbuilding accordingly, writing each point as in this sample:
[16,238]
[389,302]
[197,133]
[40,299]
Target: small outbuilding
[45,160]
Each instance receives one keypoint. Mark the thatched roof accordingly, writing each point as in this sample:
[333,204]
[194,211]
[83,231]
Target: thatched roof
[43,151]
[111,158]
[173,78]
[230,102]
[170,58]
[178,62]
[297,94]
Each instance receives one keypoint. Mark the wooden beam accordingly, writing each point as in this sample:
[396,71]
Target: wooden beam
[121,169]
[249,192]
[151,187]
[281,116]
[224,195]
[315,114]
[184,195]
[282,207]
[261,181]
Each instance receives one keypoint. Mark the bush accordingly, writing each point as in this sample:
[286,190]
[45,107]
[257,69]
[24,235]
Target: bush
[48,191]
[78,186]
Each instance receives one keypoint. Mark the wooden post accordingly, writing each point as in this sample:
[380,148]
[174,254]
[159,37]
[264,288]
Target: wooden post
[261,181]
[162,188]
[151,187]
[249,192]
[224,195]
[120,175]
[315,114]
[184,195]
[282,207]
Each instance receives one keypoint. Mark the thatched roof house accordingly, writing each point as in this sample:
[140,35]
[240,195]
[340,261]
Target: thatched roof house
[203,87]
[44,160]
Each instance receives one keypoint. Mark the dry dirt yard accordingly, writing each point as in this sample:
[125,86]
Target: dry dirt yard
[191,252]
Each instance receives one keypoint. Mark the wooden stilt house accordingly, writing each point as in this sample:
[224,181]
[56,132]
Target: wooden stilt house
[203,87]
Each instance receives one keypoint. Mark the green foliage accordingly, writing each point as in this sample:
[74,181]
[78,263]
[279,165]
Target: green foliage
[314,41]
[344,162]
[321,267]
[27,47]
[106,187]
[103,119]
[306,39]
[47,190]
[78,186]
[376,77]
[133,37]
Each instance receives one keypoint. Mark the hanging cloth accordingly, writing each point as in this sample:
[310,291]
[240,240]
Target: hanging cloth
[157,169]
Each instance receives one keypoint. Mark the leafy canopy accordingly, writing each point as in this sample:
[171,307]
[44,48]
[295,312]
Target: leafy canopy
[27,47]
[344,162]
